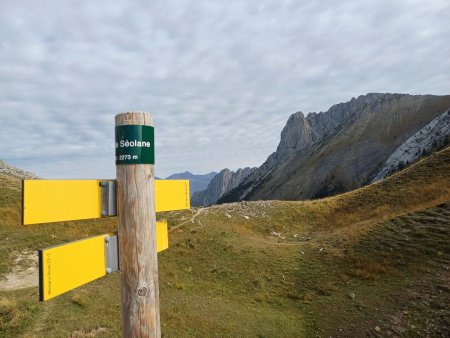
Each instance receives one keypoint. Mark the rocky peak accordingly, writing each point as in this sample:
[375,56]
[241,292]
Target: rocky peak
[301,132]
[295,134]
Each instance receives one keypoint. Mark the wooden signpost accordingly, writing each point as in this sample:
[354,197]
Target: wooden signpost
[137,226]
[135,197]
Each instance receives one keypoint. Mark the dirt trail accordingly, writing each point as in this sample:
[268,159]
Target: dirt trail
[191,220]
[25,273]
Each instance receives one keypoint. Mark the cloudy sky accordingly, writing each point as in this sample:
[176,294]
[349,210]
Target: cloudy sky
[220,77]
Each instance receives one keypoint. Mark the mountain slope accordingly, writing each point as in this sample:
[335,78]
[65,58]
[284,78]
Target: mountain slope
[336,151]
[365,263]
[371,262]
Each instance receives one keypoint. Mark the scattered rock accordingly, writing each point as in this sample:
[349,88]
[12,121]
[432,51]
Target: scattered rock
[24,273]
[302,252]
[277,234]
[228,215]
[351,295]
[377,328]
[442,287]
[397,329]
[246,217]
[92,333]
[321,250]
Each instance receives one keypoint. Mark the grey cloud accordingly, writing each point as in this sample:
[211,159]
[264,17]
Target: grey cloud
[220,78]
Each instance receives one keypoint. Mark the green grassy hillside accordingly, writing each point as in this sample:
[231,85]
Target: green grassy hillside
[373,262]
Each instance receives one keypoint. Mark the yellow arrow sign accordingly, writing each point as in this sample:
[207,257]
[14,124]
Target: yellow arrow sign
[68,266]
[63,200]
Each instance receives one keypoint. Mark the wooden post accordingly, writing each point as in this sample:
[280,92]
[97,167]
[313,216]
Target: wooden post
[137,238]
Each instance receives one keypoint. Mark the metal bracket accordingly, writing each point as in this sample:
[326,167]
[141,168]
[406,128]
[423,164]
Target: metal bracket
[112,254]
[108,198]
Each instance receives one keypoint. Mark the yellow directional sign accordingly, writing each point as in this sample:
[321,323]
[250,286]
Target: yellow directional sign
[68,266]
[172,195]
[162,236]
[60,200]
[63,200]
[65,267]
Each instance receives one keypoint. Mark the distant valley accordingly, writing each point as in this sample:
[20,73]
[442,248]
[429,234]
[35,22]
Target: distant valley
[197,182]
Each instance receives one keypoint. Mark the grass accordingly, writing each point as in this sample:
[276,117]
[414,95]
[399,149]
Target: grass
[341,266]
[9,313]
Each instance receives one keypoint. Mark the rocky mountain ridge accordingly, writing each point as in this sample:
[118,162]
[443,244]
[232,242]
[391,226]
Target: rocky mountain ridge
[330,152]
[220,184]
[16,172]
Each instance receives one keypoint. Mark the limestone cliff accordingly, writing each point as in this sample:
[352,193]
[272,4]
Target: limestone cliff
[434,135]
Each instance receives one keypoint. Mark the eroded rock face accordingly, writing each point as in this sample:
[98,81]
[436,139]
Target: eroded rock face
[15,172]
[330,152]
[434,135]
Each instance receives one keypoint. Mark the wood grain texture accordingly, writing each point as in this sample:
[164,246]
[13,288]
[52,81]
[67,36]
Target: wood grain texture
[137,242]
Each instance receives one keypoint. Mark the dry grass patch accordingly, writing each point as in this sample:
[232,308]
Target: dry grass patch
[423,185]
[86,334]
[9,313]
[79,300]
[368,269]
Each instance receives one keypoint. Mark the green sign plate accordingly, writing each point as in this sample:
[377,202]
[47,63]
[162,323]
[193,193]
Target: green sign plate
[135,144]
